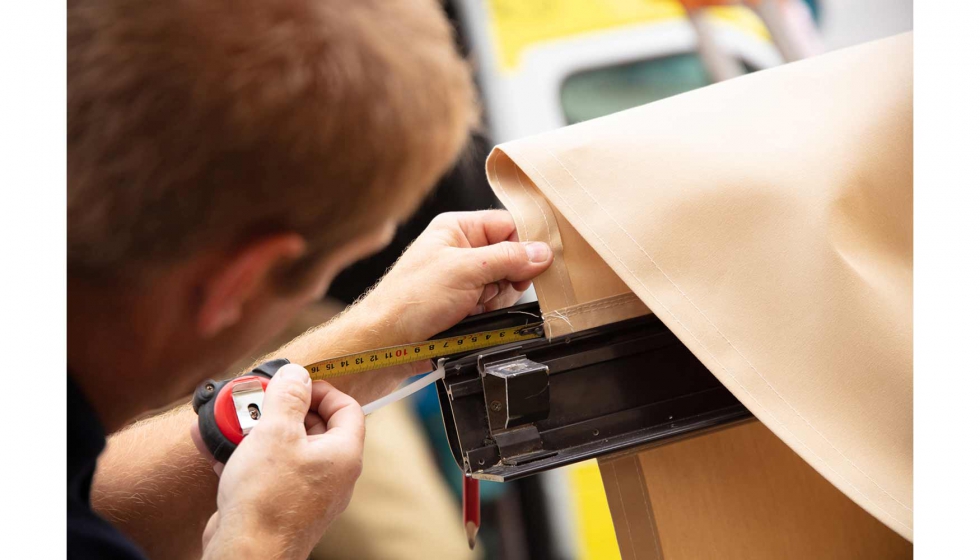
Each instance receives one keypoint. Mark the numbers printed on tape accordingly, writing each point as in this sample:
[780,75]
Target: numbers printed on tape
[428,350]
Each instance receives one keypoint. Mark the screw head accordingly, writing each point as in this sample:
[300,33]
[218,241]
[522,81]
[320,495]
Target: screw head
[209,387]
[496,406]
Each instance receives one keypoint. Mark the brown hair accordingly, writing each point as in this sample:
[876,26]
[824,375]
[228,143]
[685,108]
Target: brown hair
[203,121]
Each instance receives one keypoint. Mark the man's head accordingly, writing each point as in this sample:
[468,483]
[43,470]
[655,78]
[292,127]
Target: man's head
[226,159]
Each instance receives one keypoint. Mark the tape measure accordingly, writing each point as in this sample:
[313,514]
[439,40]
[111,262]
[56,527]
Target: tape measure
[428,350]
[228,409]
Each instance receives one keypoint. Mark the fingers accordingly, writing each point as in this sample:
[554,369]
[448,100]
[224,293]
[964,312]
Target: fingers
[481,228]
[490,291]
[203,449]
[511,261]
[507,297]
[210,528]
[343,442]
[287,400]
[199,442]
[341,412]
[521,287]
[499,295]
[314,424]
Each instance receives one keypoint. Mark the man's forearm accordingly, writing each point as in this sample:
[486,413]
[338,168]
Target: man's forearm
[155,486]
[153,483]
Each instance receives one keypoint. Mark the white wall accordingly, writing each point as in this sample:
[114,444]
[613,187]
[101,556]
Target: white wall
[850,22]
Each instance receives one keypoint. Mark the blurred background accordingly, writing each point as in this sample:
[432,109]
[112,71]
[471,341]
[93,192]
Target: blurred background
[539,65]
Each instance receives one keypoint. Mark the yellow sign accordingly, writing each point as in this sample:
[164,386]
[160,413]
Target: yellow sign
[516,25]
[596,532]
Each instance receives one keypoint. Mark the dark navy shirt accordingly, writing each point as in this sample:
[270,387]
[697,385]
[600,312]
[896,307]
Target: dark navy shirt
[89,536]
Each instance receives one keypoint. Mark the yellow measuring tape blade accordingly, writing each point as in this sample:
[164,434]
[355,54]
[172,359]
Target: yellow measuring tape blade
[428,350]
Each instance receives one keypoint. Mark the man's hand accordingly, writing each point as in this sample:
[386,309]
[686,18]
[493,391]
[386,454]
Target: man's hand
[464,263]
[292,475]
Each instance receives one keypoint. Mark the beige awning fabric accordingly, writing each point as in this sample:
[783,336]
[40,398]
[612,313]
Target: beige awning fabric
[767,221]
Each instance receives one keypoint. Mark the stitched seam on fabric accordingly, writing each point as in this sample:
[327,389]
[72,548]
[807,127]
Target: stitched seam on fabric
[561,277]
[520,215]
[605,303]
[712,356]
[576,311]
[729,342]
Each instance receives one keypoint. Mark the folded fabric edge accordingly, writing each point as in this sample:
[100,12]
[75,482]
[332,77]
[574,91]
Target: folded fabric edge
[520,153]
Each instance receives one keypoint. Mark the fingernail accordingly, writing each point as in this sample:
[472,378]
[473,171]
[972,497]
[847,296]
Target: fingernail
[294,372]
[537,251]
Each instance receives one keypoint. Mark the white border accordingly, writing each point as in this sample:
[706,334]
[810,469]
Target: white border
[947,280]
[32,278]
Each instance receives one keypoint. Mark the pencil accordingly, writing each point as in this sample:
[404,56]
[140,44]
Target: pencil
[471,508]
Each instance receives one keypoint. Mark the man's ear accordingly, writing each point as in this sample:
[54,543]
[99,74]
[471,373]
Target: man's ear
[241,276]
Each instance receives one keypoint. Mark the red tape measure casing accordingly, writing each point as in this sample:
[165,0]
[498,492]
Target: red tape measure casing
[217,418]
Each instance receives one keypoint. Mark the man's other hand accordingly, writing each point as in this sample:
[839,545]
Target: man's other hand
[292,475]
[464,263]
